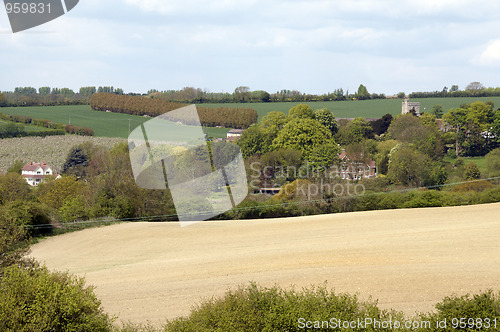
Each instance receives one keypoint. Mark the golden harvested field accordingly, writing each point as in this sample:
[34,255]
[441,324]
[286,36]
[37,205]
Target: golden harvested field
[408,259]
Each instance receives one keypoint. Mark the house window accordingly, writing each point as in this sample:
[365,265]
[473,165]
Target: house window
[38,172]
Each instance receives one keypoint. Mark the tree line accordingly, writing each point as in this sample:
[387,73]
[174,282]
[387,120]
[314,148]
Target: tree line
[143,106]
[53,128]
[473,89]
[48,96]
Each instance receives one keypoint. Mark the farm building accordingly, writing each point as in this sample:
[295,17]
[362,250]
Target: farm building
[34,173]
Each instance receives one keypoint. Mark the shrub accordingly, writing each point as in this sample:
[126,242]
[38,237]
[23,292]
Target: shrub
[473,186]
[469,309]
[38,300]
[255,308]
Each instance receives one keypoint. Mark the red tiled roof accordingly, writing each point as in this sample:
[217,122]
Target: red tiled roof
[33,166]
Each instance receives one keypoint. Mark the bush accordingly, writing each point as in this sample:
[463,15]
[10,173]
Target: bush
[255,308]
[482,306]
[473,186]
[38,300]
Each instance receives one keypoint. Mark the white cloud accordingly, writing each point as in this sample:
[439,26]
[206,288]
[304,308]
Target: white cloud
[491,54]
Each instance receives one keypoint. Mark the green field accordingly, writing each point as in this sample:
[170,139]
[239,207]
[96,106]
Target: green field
[364,108]
[117,125]
[104,124]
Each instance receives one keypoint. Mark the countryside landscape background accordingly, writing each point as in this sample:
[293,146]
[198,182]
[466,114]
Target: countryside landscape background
[417,166]
[370,136]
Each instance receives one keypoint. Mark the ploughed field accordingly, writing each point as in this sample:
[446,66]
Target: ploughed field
[407,259]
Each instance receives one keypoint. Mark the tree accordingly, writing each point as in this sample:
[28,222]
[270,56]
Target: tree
[327,119]
[471,122]
[16,167]
[472,172]
[408,167]
[354,131]
[475,86]
[272,123]
[76,160]
[412,130]
[437,110]
[56,192]
[302,135]
[242,94]
[454,88]
[253,141]
[2,99]
[13,187]
[362,93]
[324,156]
[11,237]
[301,111]
[380,126]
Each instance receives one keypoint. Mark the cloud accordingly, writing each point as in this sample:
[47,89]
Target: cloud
[491,54]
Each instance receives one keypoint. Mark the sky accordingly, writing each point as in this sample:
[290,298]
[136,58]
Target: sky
[313,46]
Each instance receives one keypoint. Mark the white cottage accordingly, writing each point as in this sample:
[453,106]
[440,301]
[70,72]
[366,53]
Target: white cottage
[34,173]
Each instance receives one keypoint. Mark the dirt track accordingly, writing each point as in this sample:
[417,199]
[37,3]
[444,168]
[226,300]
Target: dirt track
[408,259]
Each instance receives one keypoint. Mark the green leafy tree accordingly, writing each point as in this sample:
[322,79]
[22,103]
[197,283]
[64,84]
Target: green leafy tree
[55,193]
[301,111]
[327,119]
[303,135]
[11,237]
[324,156]
[354,131]
[470,123]
[413,130]
[13,187]
[472,171]
[362,93]
[16,167]
[437,110]
[2,99]
[253,141]
[409,167]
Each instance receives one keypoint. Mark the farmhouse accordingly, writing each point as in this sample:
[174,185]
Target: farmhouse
[356,170]
[234,134]
[410,107]
[35,173]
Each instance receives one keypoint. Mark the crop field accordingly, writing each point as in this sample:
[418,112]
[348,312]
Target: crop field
[52,149]
[362,108]
[104,124]
[117,125]
[407,259]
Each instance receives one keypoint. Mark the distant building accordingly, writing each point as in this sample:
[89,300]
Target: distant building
[234,134]
[410,107]
[351,170]
[35,173]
